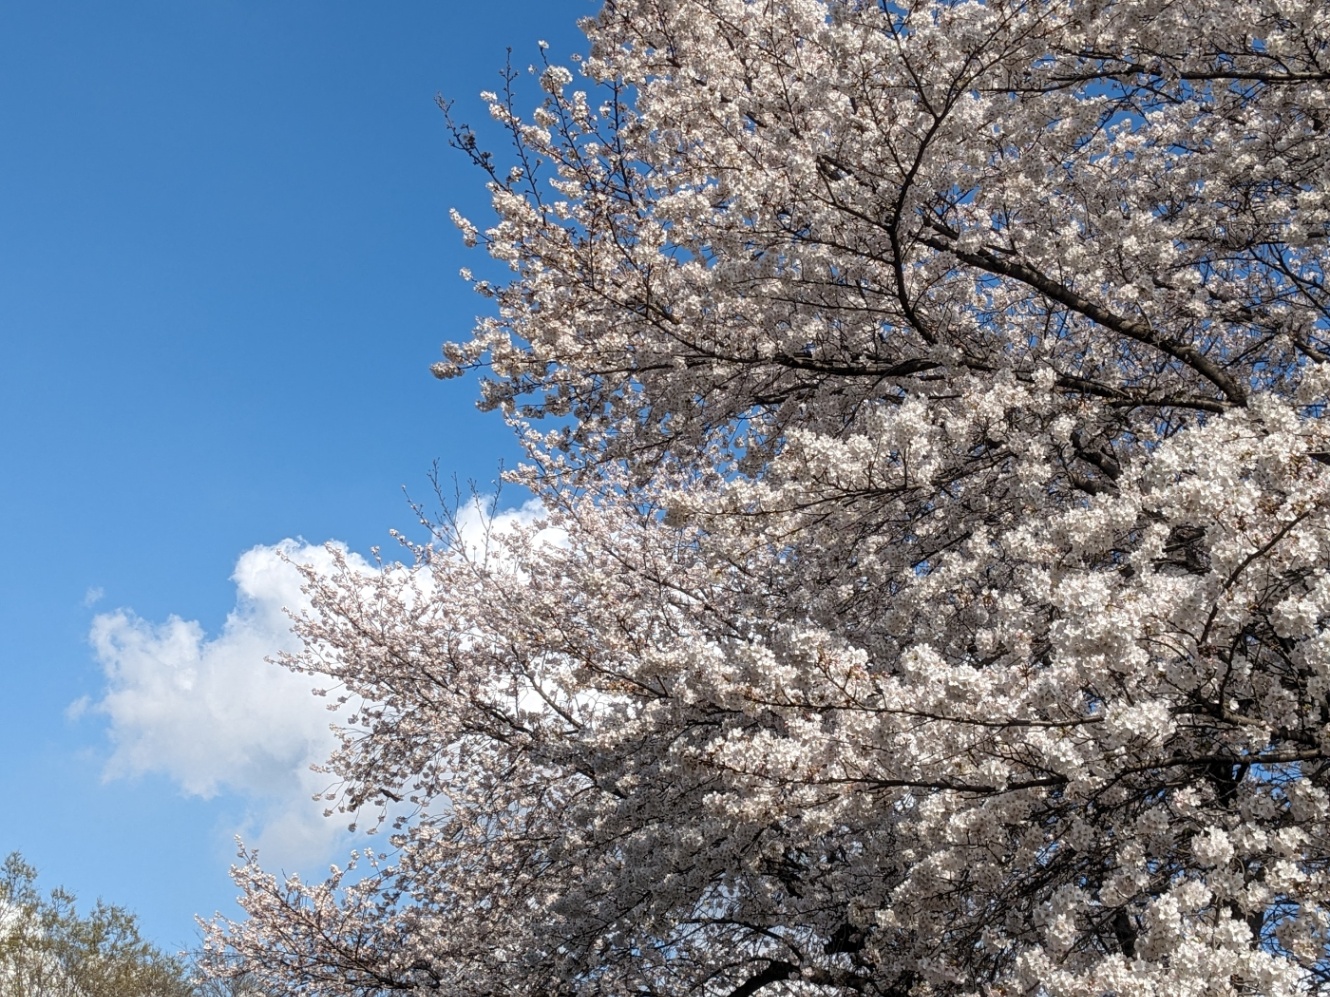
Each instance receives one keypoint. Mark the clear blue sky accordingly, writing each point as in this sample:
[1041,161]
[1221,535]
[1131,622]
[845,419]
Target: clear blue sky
[225,267]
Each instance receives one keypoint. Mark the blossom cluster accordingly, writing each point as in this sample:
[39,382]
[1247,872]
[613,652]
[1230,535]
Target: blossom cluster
[929,400]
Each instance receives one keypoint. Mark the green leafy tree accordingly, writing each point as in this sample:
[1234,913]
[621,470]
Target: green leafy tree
[49,949]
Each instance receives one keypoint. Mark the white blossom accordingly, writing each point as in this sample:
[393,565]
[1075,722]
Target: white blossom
[928,400]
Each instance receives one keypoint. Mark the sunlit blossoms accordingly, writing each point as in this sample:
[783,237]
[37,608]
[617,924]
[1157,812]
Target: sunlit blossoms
[927,403]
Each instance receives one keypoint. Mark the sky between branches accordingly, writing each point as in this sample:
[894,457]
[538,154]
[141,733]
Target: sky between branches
[227,266]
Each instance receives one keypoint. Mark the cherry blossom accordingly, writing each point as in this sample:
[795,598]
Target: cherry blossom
[928,401]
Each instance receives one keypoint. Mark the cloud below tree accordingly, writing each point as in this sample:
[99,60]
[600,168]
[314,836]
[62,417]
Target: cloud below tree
[216,714]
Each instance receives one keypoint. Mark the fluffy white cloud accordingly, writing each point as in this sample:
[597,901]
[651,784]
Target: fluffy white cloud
[216,714]
[478,520]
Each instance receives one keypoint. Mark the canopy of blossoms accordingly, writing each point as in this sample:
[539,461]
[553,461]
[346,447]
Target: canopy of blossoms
[926,399]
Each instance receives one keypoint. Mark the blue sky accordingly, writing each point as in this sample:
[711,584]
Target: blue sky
[225,267]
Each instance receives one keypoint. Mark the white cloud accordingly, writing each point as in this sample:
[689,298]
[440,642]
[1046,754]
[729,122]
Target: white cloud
[214,714]
[478,521]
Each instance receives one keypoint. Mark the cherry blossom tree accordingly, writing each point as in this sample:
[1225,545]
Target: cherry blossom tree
[927,402]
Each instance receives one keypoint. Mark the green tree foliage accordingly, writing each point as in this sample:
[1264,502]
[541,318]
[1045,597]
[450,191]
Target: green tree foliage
[49,949]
